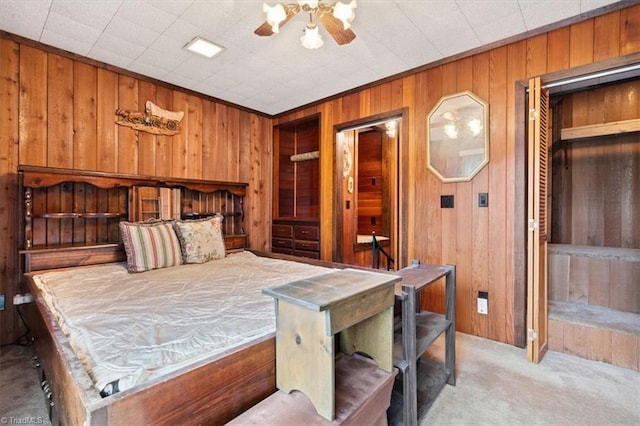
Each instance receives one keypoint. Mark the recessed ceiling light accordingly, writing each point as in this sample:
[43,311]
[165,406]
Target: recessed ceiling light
[203,47]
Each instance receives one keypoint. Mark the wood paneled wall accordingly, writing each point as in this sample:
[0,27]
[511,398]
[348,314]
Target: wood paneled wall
[59,111]
[481,242]
[596,181]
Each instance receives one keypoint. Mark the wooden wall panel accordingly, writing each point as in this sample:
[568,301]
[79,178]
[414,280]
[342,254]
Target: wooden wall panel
[146,141]
[255,168]
[164,144]
[497,183]
[107,130]
[33,106]
[10,327]
[194,138]
[606,33]
[128,149]
[629,30]
[558,49]
[85,144]
[60,111]
[581,44]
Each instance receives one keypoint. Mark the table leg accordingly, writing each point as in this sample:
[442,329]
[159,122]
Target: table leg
[305,356]
[410,379]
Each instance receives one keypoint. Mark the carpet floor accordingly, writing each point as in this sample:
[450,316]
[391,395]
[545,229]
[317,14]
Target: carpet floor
[495,385]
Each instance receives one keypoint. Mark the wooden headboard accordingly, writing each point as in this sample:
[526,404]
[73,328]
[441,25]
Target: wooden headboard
[71,217]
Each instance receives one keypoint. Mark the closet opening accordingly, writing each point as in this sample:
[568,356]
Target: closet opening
[592,210]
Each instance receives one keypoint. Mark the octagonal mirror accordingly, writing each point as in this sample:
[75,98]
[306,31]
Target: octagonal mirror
[458,137]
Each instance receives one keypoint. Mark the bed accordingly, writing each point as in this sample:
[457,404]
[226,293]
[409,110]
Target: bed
[72,252]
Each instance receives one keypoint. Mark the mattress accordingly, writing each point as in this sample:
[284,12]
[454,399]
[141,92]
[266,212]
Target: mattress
[129,328]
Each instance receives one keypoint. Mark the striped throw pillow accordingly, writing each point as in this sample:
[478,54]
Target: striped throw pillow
[150,245]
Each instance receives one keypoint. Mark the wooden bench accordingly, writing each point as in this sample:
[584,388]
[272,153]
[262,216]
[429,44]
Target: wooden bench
[363,395]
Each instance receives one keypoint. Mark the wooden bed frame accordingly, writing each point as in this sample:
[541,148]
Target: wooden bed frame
[212,391]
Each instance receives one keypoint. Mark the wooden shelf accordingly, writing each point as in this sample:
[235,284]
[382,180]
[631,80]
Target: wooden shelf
[419,329]
[604,129]
[363,394]
[68,215]
[429,327]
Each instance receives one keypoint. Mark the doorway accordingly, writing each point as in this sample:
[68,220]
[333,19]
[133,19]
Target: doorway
[367,192]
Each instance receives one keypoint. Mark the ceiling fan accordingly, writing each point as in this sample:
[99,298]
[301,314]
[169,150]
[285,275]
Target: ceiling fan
[335,17]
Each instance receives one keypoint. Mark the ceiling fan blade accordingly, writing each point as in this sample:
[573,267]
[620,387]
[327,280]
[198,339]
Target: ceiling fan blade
[335,29]
[265,28]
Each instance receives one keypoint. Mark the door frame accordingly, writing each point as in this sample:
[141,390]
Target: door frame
[400,228]
[559,81]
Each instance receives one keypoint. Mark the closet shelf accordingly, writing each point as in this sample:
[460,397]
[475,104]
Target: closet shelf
[604,129]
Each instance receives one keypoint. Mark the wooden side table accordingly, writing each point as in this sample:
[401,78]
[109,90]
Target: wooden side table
[309,313]
[421,328]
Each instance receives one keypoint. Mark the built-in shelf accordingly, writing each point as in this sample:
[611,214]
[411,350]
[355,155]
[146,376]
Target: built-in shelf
[69,215]
[604,129]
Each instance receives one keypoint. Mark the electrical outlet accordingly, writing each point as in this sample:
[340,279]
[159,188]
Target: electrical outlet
[483,302]
[20,299]
[1,302]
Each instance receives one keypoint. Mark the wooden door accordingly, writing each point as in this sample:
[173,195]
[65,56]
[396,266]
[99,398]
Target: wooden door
[537,216]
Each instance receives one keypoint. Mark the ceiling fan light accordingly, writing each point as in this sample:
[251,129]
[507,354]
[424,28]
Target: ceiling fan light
[311,38]
[345,13]
[275,15]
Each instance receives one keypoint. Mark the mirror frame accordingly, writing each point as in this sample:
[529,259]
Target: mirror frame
[469,144]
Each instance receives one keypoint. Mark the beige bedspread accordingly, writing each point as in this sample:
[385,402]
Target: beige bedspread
[128,328]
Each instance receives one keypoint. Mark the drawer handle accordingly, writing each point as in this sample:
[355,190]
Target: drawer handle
[304,232]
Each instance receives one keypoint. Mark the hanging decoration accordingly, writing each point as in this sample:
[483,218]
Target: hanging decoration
[153,119]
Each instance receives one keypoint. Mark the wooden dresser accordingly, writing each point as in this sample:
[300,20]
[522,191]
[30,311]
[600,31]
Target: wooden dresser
[299,238]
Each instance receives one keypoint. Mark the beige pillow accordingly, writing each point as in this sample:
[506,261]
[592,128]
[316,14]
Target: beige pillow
[150,245]
[201,240]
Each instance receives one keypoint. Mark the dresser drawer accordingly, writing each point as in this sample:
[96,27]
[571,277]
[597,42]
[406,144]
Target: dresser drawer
[309,254]
[282,250]
[307,245]
[282,231]
[282,243]
[303,232]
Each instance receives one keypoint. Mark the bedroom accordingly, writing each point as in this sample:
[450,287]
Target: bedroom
[58,111]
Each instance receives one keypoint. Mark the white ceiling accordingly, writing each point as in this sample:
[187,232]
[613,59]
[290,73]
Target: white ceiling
[275,74]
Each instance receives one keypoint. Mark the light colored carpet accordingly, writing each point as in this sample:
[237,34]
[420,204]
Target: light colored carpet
[495,386]
[21,397]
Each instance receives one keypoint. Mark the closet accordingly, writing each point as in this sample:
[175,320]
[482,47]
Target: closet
[296,189]
[594,220]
